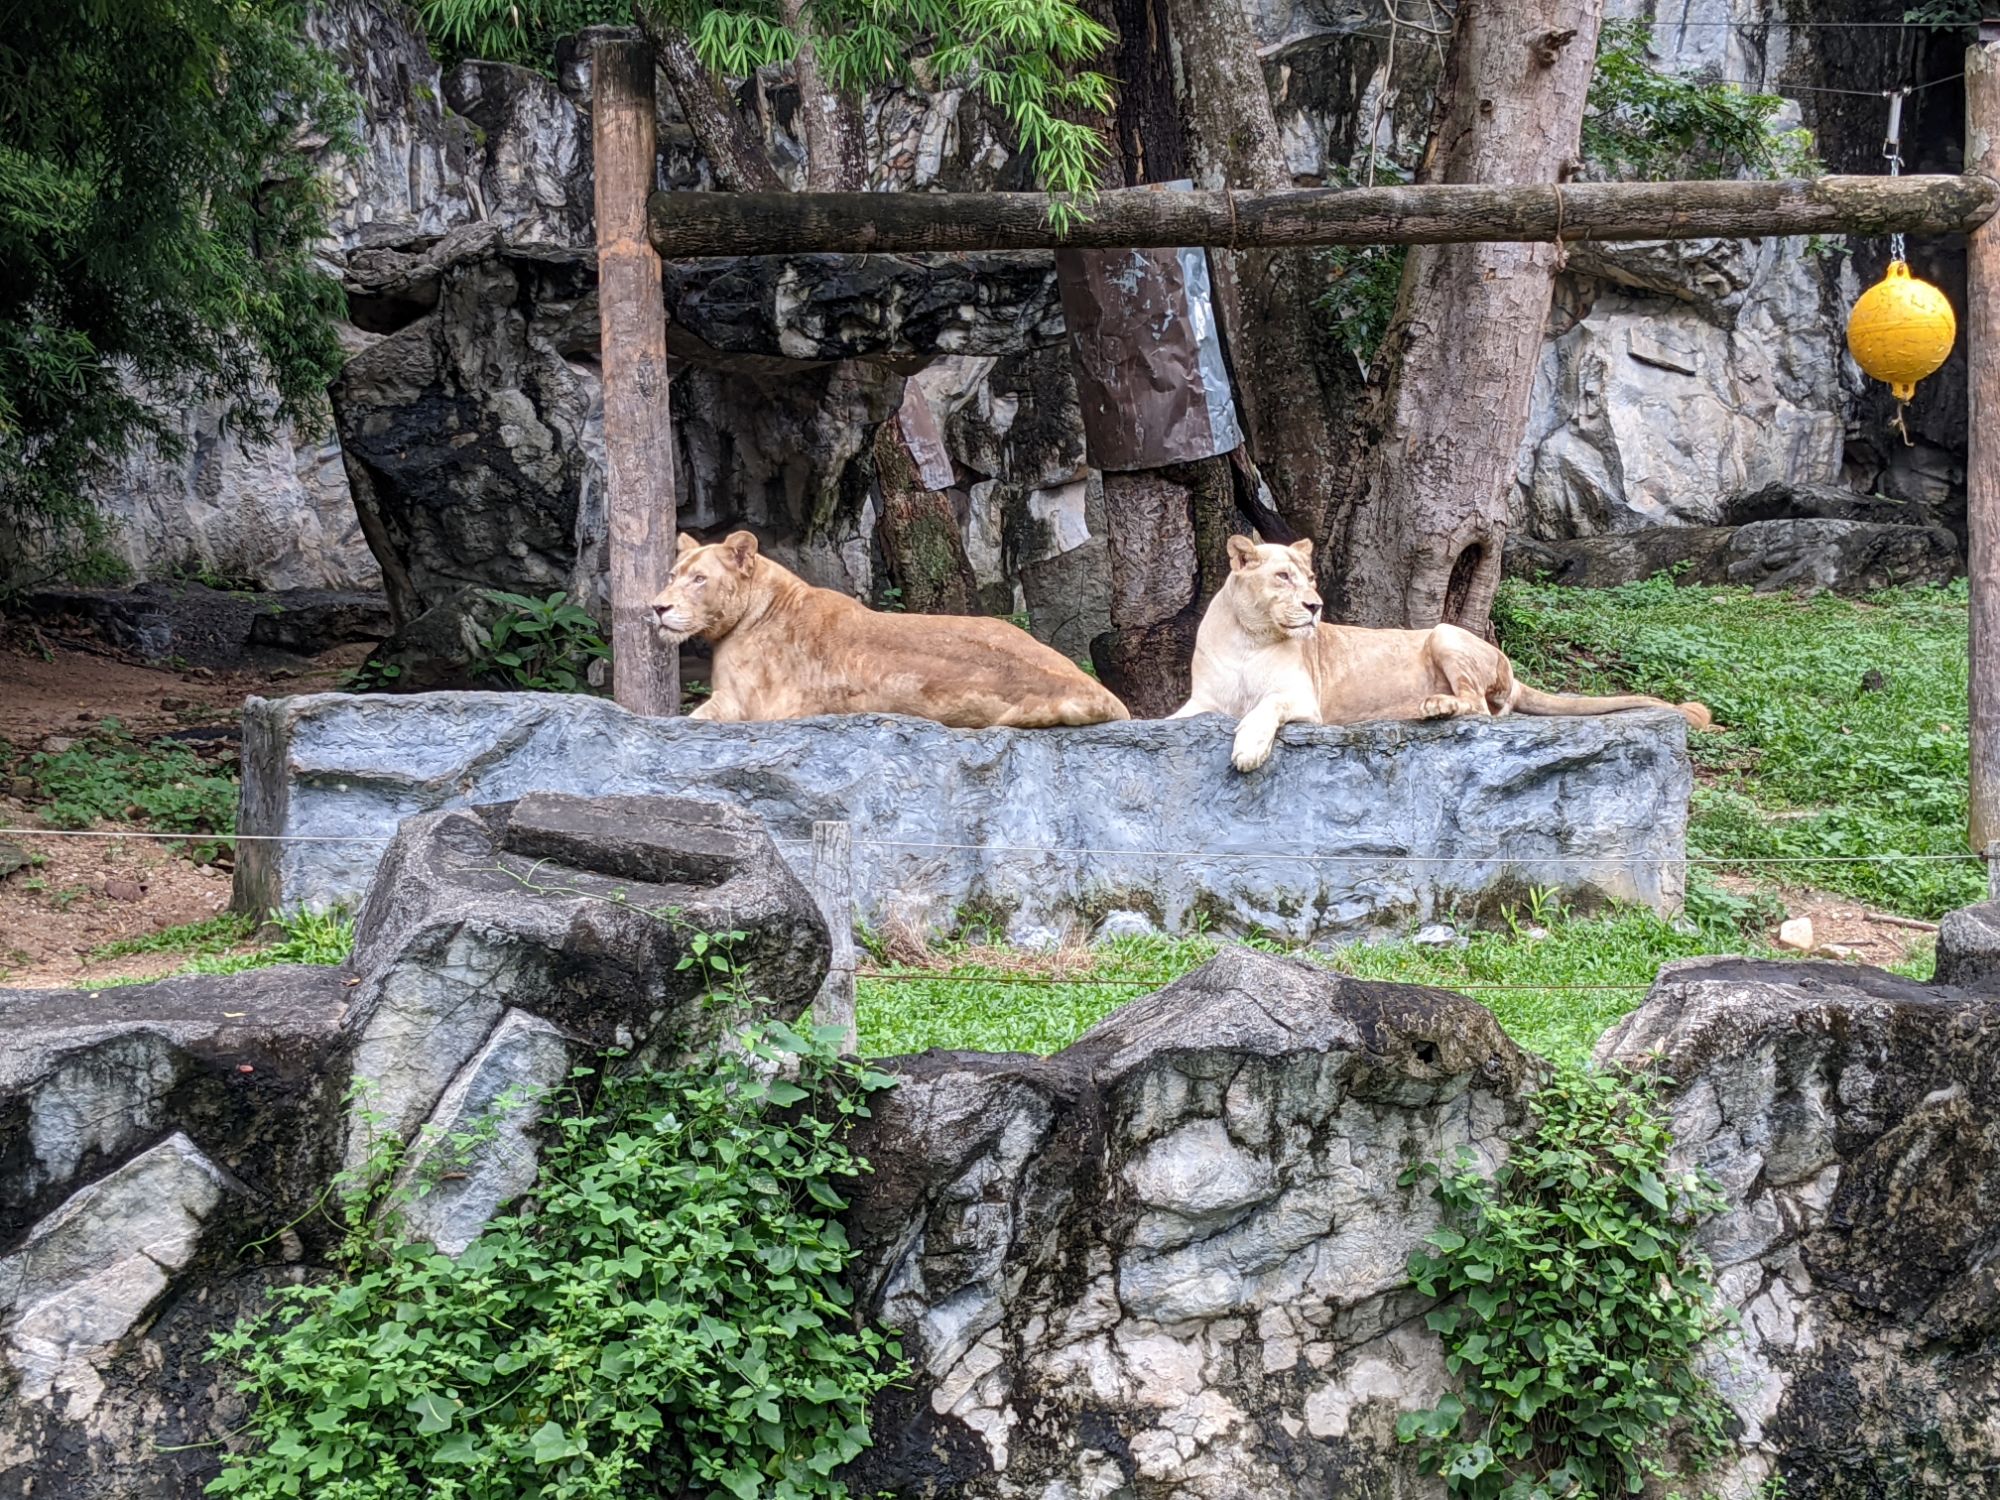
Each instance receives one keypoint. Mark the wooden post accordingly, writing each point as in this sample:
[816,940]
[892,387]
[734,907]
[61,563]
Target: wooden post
[1982,461]
[833,890]
[632,324]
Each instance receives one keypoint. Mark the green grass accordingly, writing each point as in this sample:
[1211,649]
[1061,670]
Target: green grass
[212,935]
[111,777]
[210,946]
[1814,763]
[1553,994]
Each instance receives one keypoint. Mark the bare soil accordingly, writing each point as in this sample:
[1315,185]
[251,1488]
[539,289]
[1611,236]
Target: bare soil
[83,894]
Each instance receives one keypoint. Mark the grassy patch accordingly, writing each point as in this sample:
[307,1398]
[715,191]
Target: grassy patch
[111,777]
[212,935]
[1844,721]
[308,938]
[1554,994]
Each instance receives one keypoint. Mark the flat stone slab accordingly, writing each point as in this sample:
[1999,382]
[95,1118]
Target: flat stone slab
[1042,832]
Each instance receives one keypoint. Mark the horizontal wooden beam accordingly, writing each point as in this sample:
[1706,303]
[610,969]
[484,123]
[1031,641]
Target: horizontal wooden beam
[687,225]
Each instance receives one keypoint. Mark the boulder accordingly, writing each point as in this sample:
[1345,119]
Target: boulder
[1807,554]
[1171,1258]
[1968,947]
[580,913]
[238,1063]
[309,621]
[1347,830]
[1849,1116]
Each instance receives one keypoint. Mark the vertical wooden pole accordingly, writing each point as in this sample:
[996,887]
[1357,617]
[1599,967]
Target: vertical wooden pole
[632,324]
[833,890]
[1982,462]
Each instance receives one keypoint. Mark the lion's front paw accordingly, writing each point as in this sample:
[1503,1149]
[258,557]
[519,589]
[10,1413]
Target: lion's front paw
[1438,706]
[1250,751]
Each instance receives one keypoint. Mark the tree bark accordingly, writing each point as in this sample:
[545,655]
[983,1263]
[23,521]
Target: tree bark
[829,121]
[689,225]
[735,153]
[919,533]
[1982,460]
[1291,388]
[1423,511]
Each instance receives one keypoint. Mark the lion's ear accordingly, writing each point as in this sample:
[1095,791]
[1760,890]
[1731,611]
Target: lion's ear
[687,545]
[1304,548]
[739,547]
[1242,553]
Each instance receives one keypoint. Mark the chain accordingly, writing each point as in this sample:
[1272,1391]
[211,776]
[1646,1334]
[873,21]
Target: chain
[1892,150]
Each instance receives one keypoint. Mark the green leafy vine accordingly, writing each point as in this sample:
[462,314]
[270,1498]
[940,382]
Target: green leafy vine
[1575,1304]
[665,1315]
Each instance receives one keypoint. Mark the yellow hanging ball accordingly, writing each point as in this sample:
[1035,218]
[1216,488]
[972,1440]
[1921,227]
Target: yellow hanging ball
[1901,330]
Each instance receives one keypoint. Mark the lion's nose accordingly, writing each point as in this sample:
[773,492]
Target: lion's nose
[1312,606]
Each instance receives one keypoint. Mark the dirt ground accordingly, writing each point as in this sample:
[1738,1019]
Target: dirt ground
[81,895]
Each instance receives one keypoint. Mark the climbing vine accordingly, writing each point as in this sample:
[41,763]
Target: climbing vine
[665,1316]
[1575,1303]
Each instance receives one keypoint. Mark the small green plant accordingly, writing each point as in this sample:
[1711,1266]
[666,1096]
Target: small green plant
[373,676]
[1363,283]
[1575,1304]
[310,937]
[1640,122]
[667,1317]
[112,777]
[540,645]
[211,935]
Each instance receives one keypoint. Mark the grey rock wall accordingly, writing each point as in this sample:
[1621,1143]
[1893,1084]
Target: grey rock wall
[1166,1263]
[1170,1259]
[169,1151]
[1347,830]
[1849,1115]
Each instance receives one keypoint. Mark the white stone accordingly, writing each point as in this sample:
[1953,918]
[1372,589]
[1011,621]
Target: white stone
[1796,933]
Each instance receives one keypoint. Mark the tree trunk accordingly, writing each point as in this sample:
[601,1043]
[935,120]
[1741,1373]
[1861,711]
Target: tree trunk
[1424,510]
[734,152]
[918,531]
[1291,387]
[829,121]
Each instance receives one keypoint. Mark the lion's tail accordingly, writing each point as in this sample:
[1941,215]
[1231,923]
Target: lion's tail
[1529,700]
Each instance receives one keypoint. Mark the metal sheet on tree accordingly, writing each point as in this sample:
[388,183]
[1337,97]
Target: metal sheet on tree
[1147,354]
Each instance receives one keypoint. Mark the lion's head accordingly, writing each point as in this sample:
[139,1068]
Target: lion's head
[1272,590]
[709,589]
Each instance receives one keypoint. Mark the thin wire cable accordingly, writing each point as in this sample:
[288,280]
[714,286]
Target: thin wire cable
[873,977]
[1470,856]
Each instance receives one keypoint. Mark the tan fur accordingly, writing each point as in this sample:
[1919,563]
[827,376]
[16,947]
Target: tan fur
[787,650]
[1263,657]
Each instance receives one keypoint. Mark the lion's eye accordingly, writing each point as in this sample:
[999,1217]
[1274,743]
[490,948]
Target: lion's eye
[700,579]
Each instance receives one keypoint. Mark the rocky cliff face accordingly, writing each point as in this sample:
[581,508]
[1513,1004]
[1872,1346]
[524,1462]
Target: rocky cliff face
[1675,374]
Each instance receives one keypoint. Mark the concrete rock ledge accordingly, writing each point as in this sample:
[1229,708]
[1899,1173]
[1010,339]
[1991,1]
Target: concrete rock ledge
[1347,830]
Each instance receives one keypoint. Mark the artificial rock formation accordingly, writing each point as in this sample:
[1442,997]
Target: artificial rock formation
[163,1146]
[1039,833]
[1848,1115]
[1166,1263]
[1170,1259]
[1809,555]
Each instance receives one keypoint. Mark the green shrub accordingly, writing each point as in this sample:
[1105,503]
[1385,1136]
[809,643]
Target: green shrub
[1575,1304]
[665,1316]
[540,645]
[310,937]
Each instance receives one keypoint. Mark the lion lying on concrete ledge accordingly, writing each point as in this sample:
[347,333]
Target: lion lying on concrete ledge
[787,650]
[1262,656]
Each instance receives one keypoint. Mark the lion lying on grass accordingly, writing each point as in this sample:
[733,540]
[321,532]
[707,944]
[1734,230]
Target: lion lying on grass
[1263,657]
[787,650]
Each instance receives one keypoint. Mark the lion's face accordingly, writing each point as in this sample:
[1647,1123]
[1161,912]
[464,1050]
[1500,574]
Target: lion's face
[708,590]
[1273,588]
